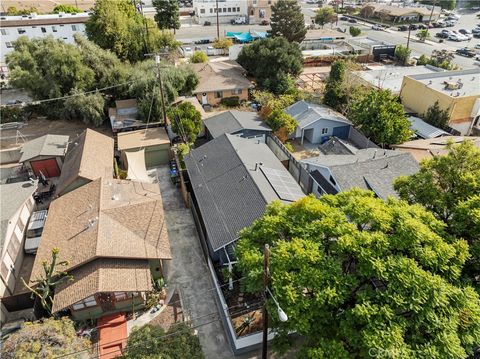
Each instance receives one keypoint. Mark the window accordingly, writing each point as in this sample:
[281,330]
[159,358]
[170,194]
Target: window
[4,31]
[234,9]
[8,44]
[269,2]
[229,9]
[218,94]
[238,9]
[120,296]
[332,180]
[237,92]
[86,303]
[44,30]
[54,29]
[202,11]
[324,131]
[75,28]
[215,10]
[211,10]
[4,271]
[21,31]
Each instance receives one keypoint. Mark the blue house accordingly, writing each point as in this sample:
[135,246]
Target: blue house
[317,123]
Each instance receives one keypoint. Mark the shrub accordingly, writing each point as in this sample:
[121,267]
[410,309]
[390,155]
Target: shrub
[11,114]
[230,101]
[199,57]
[354,31]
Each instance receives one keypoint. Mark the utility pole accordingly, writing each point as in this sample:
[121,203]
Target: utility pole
[159,77]
[434,2]
[408,38]
[266,277]
[218,25]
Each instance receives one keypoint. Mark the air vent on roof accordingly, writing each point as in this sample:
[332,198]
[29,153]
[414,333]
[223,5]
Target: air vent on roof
[451,85]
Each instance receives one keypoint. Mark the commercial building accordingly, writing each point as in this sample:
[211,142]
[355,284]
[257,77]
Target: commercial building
[399,14]
[60,26]
[260,10]
[228,10]
[458,92]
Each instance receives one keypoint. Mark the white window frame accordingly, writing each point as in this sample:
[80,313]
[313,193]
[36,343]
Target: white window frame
[4,31]
[21,31]
[237,91]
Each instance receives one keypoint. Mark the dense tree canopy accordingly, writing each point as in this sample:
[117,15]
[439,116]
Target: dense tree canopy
[272,62]
[402,54]
[116,25]
[186,121]
[287,21]
[436,116]
[355,273]
[449,187]
[167,14]
[381,117]
[325,15]
[49,68]
[44,339]
[68,9]
[152,342]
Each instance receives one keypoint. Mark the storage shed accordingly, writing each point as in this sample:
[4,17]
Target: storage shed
[154,140]
[45,155]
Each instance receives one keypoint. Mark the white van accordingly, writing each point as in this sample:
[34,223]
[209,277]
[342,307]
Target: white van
[210,51]
[187,51]
[34,231]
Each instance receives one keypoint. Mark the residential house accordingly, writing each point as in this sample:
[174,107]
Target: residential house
[44,155]
[232,180]
[228,10]
[222,79]
[457,92]
[317,123]
[388,77]
[401,14]
[89,157]
[60,26]
[425,130]
[428,148]
[260,10]
[154,141]
[371,169]
[114,237]
[16,206]
[240,123]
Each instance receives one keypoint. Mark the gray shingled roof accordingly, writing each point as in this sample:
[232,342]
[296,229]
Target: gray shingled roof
[13,195]
[335,146]
[231,191]
[377,174]
[307,113]
[48,145]
[362,155]
[234,121]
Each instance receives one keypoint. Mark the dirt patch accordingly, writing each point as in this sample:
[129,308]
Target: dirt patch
[172,314]
[248,323]
[40,126]
[46,6]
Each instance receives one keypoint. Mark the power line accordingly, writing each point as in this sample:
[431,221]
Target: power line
[74,95]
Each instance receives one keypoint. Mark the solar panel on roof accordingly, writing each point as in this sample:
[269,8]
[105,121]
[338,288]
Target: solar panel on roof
[283,184]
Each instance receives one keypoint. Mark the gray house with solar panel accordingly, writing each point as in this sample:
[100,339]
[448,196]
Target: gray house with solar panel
[232,181]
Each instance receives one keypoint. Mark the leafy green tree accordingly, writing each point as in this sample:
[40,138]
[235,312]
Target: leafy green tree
[357,274]
[381,117]
[53,275]
[436,116]
[287,21]
[338,93]
[167,14]
[89,109]
[11,114]
[325,15]
[68,9]
[117,26]
[272,61]
[281,122]
[186,121]
[48,338]
[443,59]
[449,187]
[152,342]
[223,44]
[199,57]
[402,54]
[354,31]
[423,35]
[12,10]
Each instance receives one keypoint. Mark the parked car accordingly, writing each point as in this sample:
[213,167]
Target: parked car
[353,21]
[456,37]
[413,27]
[477,46]
[377,27]
[187,51]
[344,18]
[449,23]
[422,27]
[34,231]
[466,52]
[402,28]
[476,30]
[207,23]
[265,23]
[442,35]
[466,33]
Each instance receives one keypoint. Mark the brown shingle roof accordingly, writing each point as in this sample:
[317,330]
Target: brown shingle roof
[90,156]
[220,76]
[103,275]
[105,218]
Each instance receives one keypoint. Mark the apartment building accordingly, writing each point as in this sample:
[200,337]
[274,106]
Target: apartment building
[228,10]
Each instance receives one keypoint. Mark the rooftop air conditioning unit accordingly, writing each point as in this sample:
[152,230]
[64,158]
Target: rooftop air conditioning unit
[451,85]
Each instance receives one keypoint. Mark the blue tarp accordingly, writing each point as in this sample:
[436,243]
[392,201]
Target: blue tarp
[247,36]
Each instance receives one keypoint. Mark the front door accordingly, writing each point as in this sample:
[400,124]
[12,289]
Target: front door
[204,99]
[107,301]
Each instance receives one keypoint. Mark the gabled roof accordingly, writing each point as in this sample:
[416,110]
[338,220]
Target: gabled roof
[47,145]
[220,76]
[13,196]
[103,275]
[307,113]
[425,130]
[90,156]
[233,121]
[230,186]
[105,218]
